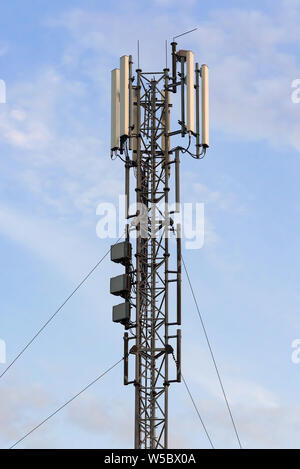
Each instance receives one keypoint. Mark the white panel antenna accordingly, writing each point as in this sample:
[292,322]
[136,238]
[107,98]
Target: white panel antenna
[190,92]
[124,96]
[115,108]
[205,105]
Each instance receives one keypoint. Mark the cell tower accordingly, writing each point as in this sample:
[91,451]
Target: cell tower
[141,137]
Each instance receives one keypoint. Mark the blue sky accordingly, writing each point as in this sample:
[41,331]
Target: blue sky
[55,58]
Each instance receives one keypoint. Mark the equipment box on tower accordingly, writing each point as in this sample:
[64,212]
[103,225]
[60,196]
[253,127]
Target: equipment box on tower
[120,285]
[121,252]
[121,312]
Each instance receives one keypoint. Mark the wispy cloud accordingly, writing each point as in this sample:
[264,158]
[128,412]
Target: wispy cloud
[49,241]
[18,407]
[251,70]
[54,129]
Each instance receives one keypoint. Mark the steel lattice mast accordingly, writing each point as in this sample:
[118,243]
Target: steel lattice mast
[141,137]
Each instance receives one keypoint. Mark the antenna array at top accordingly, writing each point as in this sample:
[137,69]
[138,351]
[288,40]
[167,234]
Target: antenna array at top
[192,100]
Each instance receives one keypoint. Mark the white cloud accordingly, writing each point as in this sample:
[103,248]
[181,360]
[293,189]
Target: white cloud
[58,157]
[174,3]
[246,49]
[18,406]
[103,417]
[251,73]
[66,165]
[262,419]
[50,241]
[4,48]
